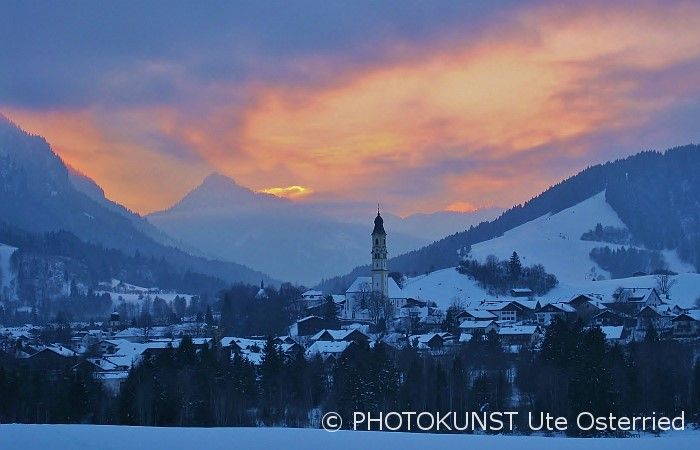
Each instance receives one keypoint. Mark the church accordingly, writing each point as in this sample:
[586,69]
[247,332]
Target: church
[377,286]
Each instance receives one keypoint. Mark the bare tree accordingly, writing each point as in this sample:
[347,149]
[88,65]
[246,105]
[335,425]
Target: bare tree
[664,283]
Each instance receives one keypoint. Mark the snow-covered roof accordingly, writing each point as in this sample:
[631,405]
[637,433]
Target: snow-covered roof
[364,284]
[561,306]
[475,324]
[336,335]
[308,318]
[243,343]
[61,350]
[480,314]
[327,348]
[425,338]
[518,330]
[312,293]
[612,333]
[692,313]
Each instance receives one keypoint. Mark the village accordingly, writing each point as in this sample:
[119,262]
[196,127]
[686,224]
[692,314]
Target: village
[373,309]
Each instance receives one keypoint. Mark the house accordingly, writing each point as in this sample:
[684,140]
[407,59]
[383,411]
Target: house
[686,324]
[614,334]
[509,310]
[632,300]
[312,295]
[608,318]
[429,341]
[519,335]
[106,347]
[307,326]
[547,313]
[476,315]
[587,306]
[478,326]
[353,335]
[657,316]
[327,349]
[53,358]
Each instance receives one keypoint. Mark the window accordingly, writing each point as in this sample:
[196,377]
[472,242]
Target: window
[376,241]
[508,315]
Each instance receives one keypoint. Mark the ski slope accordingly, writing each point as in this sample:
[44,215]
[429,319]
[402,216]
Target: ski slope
[101,437]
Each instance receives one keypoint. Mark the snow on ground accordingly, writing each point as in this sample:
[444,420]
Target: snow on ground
[120,291]
[83,437]
[683,293]
[444,286]
[554,240]
[5,272]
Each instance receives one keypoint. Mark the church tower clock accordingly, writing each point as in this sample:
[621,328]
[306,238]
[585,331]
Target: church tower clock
[380,272]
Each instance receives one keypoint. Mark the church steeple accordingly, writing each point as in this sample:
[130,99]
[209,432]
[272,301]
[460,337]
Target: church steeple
[380,272]
[378,224]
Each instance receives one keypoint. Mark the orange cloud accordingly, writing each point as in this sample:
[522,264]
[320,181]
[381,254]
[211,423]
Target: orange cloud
[432,129]
[553,81]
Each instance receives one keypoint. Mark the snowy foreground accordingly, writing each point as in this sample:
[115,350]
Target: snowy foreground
[94,437]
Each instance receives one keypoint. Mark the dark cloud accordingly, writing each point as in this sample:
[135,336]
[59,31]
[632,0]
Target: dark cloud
[57,54]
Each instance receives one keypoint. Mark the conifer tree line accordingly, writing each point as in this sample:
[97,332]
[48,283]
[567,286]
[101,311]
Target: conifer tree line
[498,277]
[573,371]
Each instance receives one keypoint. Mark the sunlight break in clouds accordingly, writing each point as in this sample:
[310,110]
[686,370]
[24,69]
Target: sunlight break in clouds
[291,192]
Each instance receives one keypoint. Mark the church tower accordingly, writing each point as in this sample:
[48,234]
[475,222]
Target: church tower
[380,272]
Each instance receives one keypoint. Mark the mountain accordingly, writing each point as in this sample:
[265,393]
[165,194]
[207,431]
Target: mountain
[285,239]
[654,195]
[300,242]
[39,194]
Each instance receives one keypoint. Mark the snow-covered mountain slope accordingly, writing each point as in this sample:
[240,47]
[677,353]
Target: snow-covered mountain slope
[554,240]
[6,275]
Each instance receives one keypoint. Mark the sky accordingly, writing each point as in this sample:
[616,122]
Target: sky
[420,105]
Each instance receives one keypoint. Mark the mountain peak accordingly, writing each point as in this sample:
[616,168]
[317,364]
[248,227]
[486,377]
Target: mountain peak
[218,191]
[219,180]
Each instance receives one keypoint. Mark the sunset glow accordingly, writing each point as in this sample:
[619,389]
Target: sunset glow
[464,119]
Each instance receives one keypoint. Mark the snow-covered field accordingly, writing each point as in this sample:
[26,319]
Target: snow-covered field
[93,437]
